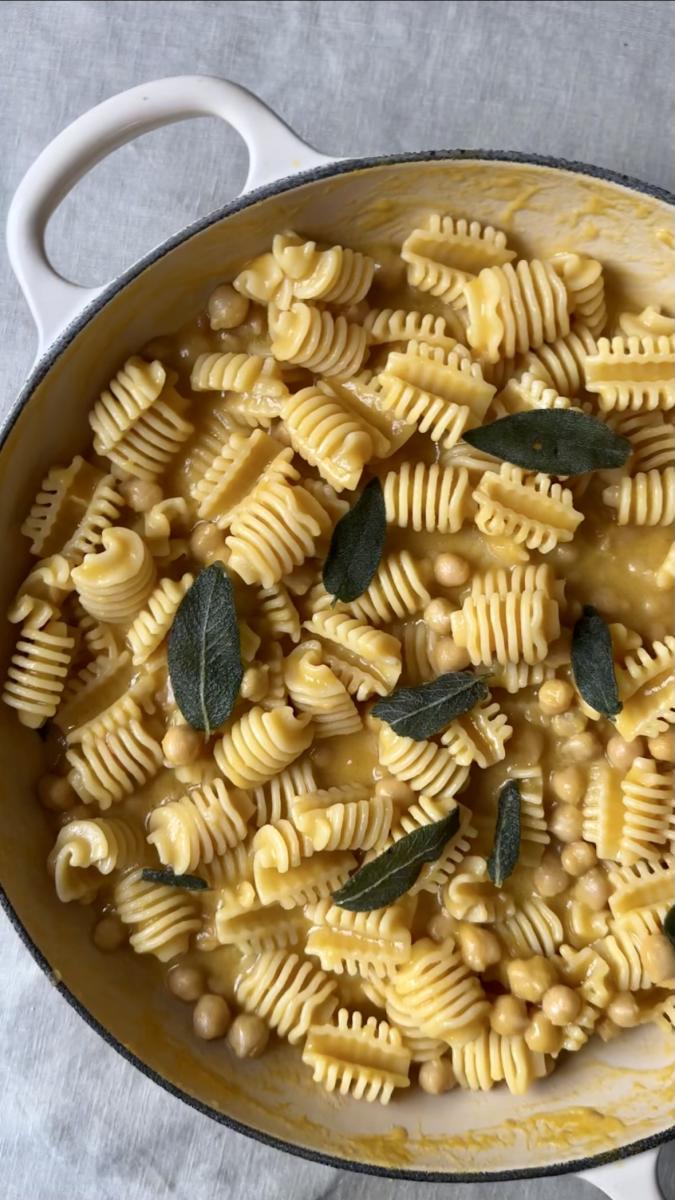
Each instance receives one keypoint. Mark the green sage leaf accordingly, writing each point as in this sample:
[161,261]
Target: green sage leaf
[393,873]
[557,441]
[191,883]
[669,925]
[205,665]
[419,712]
[356,545]
[506,845]
[593,663]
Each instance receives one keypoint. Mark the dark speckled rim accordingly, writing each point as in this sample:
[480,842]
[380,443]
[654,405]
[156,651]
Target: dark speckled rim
[40,370]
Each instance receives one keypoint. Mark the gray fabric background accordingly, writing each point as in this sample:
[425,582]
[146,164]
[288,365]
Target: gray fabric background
[591,81]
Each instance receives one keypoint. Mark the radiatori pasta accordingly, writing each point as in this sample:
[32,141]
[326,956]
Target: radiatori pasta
[243,441]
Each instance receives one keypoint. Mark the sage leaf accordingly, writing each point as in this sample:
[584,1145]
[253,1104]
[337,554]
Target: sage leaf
[356,545]
[557,441]
[593,663]
[191,883]
[394,872]
[669,925]
[204,657]
[506,845]
[419,712]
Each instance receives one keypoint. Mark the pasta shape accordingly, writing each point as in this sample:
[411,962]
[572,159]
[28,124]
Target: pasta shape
[534,928]
[162,917]
[151,626]
[506,628]
[479,736]
[367,944]
[646,685]
[38,668]
[86,851]
[417,644]
[424,811]
[203,824]
[439,992]
[652,439]
[641,885]
[72,508]
[366,660]
[427,767]
[315,689]
[288,992]
[247,374]
[648,812]
[440,393]
[396,325]
[444,253]
[398,590]
[273,531]
[262,744]
[115,583]
[647,498]
[433,498]
[342,818]
[525,394]
[491,1058]
[632,374]
[364,1057]
[471,896]
[113,755]
[256,930]
[138,422]
[273,798]
[276,615]
[335,276]
[534,511]
[603,811]
[534,835]
[513,309]
[583,277]
[328,436]
[316,340]
[651,322]
[561,364]
[241,462]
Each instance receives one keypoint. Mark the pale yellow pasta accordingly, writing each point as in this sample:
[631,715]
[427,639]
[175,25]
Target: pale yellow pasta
[138,422]
[307,882]
[262,744]
[366,944]
[86,851]
[533,510]
[203,824]
[441,393]
[560,364]
[647,691]
[525,394]
[315,689]
[152,625]
[239,373]
[491,1058]
[385,325]
[115,583]
[255,929]
[471,896]
[364,1058]
[367,660]
[436,989]
[426,766]
[38,668]
[310,338]
[288,992]
[652,437]
[162,918]
[603,811]
[328,436]
[650,322]
[94,689]
[335,276]
[642,885]
[533,825]
[241,462]
[423,811]
[479,736]
[648,812]
[417,644]
[72,508]
[513,309]
[113,755]
[275,529]
[427,497]
[647,498]
[398,590]
[273,798]
[632,373]
[507,628]
[444,252]
[276,614]
[534,928]
[584,279]
[343,818]
[421,1047]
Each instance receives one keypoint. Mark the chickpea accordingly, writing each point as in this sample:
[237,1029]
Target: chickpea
[255,683]
[593,889]
[509,1016]
[226,308]
[181,745]
[206,541]
[441,926]
[479,948]
[56,794]
[248,1036]
[566,724]
[140,494]
[437,1076]
[578,857]
[451,570]
[568,785]
[446,655]
[561,1005]
[550,878]
[622,754]
[662,747]
[542,1036]
[437,615]
[187,983]
[211,1017]
[555,696]
[566,823]
[390,788]
[530,978]
[582,747]
[109,933]
[658,958]
[624,1011]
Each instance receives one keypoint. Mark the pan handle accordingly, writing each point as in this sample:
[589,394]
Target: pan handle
[274,152]
[628,1179]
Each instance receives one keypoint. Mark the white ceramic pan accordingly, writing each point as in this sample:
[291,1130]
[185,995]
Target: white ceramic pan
[609,1105]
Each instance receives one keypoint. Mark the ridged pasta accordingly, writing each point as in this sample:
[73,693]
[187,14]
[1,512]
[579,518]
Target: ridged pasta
[238,373]
[532,510]
[335,276]
[641,885]
[426,497]
[417,644]
[396,325]
[306,882]
[652,439]
[491,1058]
[115,583]
[138,422]
[256,929]
[273,798]
[629,373]
[471,896]
[423,811]
[366,1058]
[275,614]
[274,530]
[367,944]
[146,634]
[647,498]
[513,309]
[525,394]
[648,812]
[421,1047]
[651,322]
[440,393]
[38,669]
[534,928]
[646,685]
[534,835]
[288,992]
[561,364]
[436,989]
[98,686]
[603,811]
[113,755]
[427,767]
[328,436]
[203,824]
[317,340]
[479,736]
[72,508]
[506,628]
[343,818]
[261,744]
[241,462]
[162,917]
[366,660]
[86,851]
[280,846]
[585,282]
[397,590]
[315,689]
[444,252]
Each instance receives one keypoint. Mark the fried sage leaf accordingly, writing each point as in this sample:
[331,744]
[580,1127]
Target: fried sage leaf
[593,663]
[191,883]
[506,846]
[204,656]
[557,441]
[393,873]
[356,545]
[419,712]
